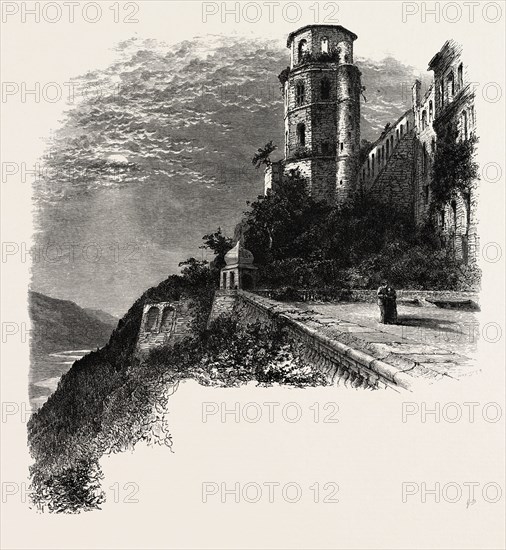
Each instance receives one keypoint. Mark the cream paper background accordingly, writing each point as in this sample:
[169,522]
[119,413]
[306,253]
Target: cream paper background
[370,452]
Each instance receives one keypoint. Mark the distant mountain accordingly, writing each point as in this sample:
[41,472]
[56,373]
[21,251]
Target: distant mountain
[59,325]
[103,316]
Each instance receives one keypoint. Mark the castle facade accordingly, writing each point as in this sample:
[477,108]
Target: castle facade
[322,89]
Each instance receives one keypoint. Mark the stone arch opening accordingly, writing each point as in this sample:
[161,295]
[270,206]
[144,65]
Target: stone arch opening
[152,318]
[450,82]
[301,134]
[300,93]
[464,124]
[454,214]
[324,44]
[303,50]
[232,280]
[167,319]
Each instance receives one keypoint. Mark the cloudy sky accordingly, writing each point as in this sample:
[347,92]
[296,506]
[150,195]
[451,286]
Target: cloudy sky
[153,149]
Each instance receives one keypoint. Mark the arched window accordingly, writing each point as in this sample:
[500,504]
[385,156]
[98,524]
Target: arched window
[167,319]
[302,50]
[460,76]
[451,85]
[442,92]
[300,93]
[424,159]
[424,119]
[152,318]
[454,214]
[388,147]
[464,125]
[433,146]
[324,45]
[431,111]
[368,167]
[224,280]
[325,88]
[401,127]
[372,164]
[397,134]
[301,134]
[232,280]
[346,58]
[286,143]
[407,126]
[392,143]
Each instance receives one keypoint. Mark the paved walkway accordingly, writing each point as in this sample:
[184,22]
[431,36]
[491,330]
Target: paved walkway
[453,330]
[427,343]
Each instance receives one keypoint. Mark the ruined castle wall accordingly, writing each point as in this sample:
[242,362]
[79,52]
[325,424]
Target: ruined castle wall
[384,149]
[394,183]
[425,147]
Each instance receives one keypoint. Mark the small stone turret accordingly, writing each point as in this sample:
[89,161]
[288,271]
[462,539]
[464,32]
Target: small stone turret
[239,273]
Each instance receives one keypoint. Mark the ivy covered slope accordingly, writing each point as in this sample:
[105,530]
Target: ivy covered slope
[111,399]
[98,405]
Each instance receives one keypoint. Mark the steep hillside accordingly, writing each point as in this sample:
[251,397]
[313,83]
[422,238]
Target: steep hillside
[59,325]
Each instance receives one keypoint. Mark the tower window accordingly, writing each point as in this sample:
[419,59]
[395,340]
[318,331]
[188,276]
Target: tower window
[433,145]
[300,93]
[303,51]
[346,58]
[340,182]
[424,159]
[301,134]
[341,145]
[451,85]
[431,111]
[424,119]
[325,88]
[464,124]
[460,76]
[324,45]
[397,134]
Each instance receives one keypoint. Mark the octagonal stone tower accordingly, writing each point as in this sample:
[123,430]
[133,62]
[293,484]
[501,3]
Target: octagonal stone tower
[322,110]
